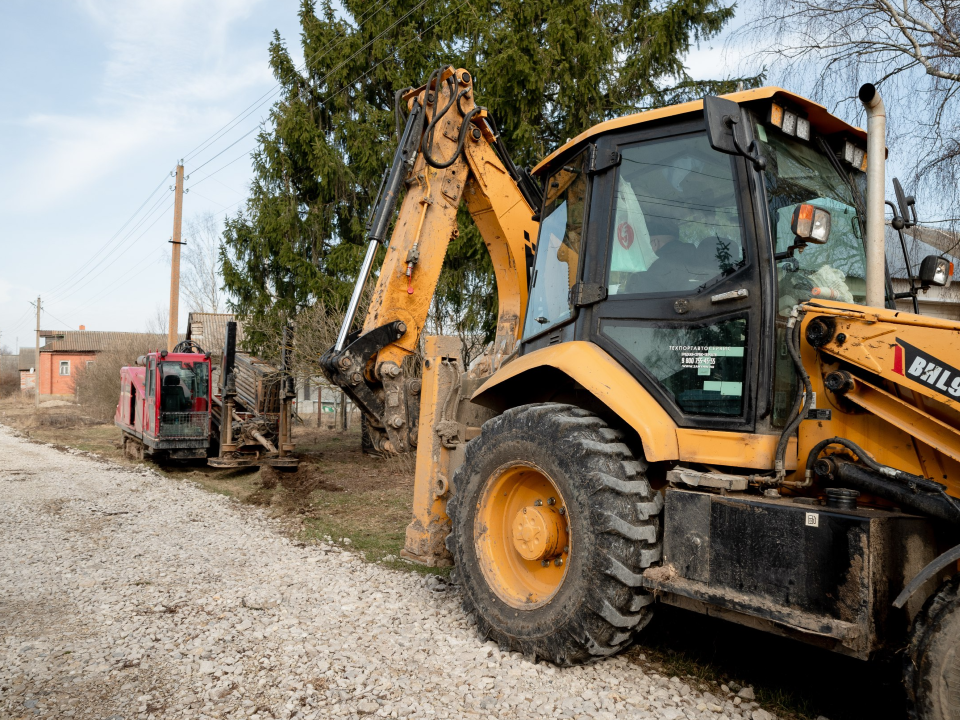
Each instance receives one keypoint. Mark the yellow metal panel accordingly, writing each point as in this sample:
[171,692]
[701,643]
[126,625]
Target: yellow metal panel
[430,525]
[745,450]
[603,376]
[819,117]
[909,425]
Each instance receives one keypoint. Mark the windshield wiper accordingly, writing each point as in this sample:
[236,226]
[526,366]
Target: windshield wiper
[858,200]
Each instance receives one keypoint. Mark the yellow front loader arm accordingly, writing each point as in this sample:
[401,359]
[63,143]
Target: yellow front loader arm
[449,152]
[890,382]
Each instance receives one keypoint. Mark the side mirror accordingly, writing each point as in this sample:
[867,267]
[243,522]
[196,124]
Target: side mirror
[725,130]
[722,117]
[905,203]
[935,271]
[811,224]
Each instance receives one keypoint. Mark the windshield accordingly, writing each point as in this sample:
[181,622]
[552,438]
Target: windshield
[798,172]
[184,386]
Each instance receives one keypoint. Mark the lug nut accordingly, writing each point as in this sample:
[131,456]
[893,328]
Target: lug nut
[544,563]
[345,362]
[552,501]
[397,422]
[563,511]
[566,549]
[356,378]
[558,562]
[538,502]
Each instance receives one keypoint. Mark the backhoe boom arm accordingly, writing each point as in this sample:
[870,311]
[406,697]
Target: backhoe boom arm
[446,155]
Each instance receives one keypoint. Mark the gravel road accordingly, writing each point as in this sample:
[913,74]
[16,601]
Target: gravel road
[124,594]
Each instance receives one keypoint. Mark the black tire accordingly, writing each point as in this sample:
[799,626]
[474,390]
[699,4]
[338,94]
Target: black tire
[931,671]
[614,525]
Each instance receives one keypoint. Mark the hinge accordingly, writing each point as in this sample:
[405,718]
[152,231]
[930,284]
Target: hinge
[601,160]
[587,294]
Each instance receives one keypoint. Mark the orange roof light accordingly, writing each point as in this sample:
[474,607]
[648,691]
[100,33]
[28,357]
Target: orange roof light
[776,115]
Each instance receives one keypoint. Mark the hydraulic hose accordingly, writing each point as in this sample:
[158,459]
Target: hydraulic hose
[905,489]
[804,397]
[438,113]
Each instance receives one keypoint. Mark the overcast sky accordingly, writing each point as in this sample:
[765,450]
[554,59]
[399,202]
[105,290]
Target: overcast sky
[100,99]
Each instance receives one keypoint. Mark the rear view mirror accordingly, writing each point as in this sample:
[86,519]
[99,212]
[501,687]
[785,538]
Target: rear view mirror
[725,130]
[905,203]
[935,271]
[811,223]
[718,113]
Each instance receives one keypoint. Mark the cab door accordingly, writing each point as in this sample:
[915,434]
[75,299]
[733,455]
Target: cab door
[675,250]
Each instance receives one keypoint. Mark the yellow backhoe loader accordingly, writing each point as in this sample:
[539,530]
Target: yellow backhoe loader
[700,392]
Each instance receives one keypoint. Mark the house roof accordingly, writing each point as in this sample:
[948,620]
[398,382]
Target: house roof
[28,358]
[96,341]
[209,330]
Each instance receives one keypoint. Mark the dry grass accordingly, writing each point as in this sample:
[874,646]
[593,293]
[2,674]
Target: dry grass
[98,385]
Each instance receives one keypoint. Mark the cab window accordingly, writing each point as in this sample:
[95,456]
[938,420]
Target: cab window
[558,248]
[676,227]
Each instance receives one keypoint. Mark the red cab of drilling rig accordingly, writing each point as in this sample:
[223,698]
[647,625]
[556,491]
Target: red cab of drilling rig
[164,408]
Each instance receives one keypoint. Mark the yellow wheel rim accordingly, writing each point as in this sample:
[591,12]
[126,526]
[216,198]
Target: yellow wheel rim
[522,536]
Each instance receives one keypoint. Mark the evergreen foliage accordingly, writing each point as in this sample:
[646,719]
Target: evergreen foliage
[546,69]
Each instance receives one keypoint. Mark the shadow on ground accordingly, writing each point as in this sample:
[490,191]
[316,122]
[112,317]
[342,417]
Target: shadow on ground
[787,675]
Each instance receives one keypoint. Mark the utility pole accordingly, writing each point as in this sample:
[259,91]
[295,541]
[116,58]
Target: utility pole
[175,262]
[36,360]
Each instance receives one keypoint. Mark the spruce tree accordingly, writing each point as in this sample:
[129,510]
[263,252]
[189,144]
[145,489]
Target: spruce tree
[546,69]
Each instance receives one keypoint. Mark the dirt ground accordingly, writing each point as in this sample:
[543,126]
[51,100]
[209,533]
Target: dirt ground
[365,502]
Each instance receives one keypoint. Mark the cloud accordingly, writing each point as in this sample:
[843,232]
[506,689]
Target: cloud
[172,77]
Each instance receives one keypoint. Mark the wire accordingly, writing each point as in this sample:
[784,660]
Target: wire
[66,325]
[112,238]
[210,175]
[127,249]
[64,288]
[247,111]
[347,86]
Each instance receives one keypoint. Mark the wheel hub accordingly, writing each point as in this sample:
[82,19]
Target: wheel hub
[537,533]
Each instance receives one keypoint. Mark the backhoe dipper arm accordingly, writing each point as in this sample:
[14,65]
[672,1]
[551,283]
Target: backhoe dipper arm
[446,155]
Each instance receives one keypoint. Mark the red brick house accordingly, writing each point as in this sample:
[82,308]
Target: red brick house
[62,357]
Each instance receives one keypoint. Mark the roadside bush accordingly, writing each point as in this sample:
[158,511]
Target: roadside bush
[9,384]
[98,385]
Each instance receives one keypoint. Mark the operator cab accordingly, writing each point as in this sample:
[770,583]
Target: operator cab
[164,405]
[679,256]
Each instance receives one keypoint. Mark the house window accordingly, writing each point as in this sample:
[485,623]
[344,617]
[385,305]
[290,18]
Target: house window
[64,367]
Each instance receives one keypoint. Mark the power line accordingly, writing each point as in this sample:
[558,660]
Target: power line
[65,290]
[328,75]
[66,325]
[112,238]
[348,85]
[108,265]
[247,111]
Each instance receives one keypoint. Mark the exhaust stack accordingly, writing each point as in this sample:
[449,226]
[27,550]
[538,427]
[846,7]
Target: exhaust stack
[876,160]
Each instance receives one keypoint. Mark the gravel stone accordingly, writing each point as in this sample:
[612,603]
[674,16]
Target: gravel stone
[747,693]
[126,594]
